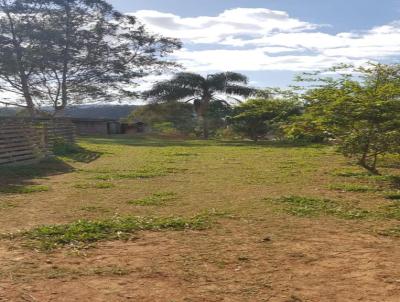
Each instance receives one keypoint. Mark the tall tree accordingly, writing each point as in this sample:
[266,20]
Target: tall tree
[84,50]
[18,51]
[191,87]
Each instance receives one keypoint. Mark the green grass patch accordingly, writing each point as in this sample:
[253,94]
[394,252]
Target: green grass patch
[136,174]
[155,200]
[99,185]
[393,196]
[313,207]
[84,232]
[391,211]
[353,188]
[20,189]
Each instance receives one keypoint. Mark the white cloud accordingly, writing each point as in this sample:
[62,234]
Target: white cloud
[250,39]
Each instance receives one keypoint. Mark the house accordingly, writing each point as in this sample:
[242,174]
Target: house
[92,126]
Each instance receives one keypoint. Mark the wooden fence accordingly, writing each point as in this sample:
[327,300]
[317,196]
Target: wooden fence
[24,141]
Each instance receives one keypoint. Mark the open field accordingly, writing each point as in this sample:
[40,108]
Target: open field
[159,220]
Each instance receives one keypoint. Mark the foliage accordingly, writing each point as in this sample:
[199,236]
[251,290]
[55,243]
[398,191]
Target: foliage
[179,116]
[85,231]
[58,52]
[257,118]
[359,109]
[308,207]
[204,92]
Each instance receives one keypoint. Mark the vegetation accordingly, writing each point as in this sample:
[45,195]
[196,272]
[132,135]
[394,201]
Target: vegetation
[309,207]
[24,189]
[258,118]
[59,52]
[166,118]
[85,232]
[359,110]
[156,199]
[202,91]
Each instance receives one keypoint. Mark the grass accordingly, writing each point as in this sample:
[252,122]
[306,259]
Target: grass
[313,207]
[393,196]
[353,188]
[83,232]
[98,185]
[21,189]
[154,200]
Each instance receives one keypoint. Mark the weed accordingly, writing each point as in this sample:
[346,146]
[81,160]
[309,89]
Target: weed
[309,207]
[84,232]
[391,211]
[20,189]
[155,199]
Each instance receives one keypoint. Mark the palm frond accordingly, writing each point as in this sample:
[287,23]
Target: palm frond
[167,91]
[240,90]
[219,81]
[181,86]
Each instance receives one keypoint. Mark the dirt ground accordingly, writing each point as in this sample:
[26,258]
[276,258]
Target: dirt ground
[252,254]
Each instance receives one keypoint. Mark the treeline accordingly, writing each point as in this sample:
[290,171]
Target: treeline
[356,108]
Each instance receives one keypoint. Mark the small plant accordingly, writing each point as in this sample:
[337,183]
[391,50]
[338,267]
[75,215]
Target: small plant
[19,189]
[155,199]
[83,232]
[353,188]
[311,207]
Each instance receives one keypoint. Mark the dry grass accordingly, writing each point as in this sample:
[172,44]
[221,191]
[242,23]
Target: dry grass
[323,216]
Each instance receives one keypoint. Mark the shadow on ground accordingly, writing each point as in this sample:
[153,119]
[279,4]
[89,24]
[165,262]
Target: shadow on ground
[83,156]
[22,175]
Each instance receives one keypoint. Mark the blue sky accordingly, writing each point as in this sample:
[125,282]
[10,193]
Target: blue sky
[271,40]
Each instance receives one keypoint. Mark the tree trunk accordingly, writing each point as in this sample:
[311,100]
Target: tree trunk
[64,85]
[205,103]
[364,163]
[206,131]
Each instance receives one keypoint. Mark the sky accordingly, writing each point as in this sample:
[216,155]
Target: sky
[272,40]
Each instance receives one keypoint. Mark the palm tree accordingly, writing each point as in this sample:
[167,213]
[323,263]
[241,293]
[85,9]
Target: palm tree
[192,87]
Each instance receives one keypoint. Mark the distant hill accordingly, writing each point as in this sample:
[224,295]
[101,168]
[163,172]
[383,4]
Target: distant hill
[112,112]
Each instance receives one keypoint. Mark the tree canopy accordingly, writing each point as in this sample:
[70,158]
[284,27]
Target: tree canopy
[59,52]
[202,91]
[359,109]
